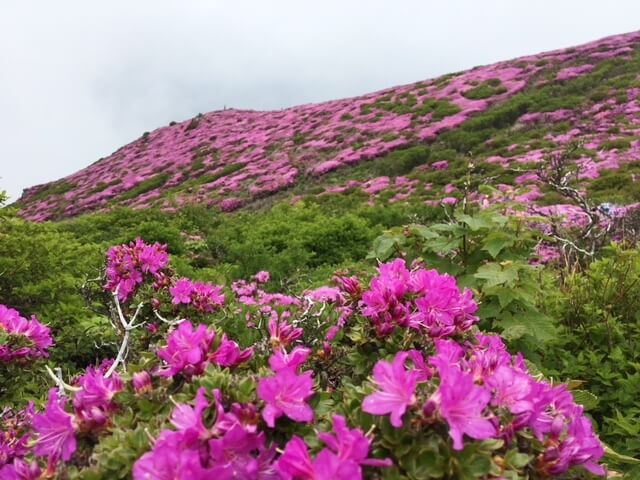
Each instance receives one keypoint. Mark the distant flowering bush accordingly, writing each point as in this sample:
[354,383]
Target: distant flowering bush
[22,339]
[129,265]
[359,379]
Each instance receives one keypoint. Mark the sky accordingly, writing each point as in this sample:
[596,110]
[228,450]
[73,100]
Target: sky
[79,79]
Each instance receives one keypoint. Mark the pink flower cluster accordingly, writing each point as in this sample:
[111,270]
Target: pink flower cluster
[480,391]
[189,350]
[15,444]
[129,265]
[233,447]
[230,448]
[341,459]
[56,429]
[202,296]
[22,339]
[421,299]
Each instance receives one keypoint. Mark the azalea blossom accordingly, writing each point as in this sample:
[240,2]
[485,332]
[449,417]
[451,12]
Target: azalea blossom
[186,351]
[286,393]
[396,389]
[462,403]
[55,429]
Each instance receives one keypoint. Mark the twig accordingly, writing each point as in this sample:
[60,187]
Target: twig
[57,378]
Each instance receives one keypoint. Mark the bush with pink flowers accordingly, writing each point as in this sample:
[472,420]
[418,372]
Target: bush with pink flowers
[387,377]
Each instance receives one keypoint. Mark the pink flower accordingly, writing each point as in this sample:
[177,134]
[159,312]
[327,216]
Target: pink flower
[56,430]
[385,301]
[351,445]
[27,339]
[186,350]
[286,393]
[296,463]
[228,353]
[181,292]
[396,389]
[282,360]
[142,382]
[127,266]
[283,333]
[185,417]
[262,277]
[207,297]
[461,404]
[94,402]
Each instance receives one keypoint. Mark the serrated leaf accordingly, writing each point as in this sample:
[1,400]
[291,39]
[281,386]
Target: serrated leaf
[587,399]
[495,242]
[474,223]
[496,274]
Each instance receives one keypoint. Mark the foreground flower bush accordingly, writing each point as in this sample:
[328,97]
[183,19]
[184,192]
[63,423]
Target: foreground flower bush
[386,378]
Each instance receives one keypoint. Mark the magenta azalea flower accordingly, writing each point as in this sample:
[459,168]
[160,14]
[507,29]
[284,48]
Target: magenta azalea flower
[32,338]
[207,297]
[185,417]
[171,459]
[396,389]
[580,447]
[228,353]
[142,382]
[286,393]
[56,430]
[296,463]
[21,470]
[127,266]
[351,445]
[262,277]
[461,404]
[441,308]
[293,360]
[94,402]
[283,333]
[181,291]
[511,389]
[384,302]
[186,350]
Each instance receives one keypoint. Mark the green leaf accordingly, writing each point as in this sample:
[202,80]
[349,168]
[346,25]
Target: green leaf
[587,399]
[474,223]
[497,241]
[611,454]
[497,274]
[516,459]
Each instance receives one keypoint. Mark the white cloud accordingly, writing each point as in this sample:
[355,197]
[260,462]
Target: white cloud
[80,79]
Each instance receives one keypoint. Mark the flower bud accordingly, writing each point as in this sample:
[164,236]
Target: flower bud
[142,382]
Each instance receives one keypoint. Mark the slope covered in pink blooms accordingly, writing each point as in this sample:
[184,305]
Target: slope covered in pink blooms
[228,159]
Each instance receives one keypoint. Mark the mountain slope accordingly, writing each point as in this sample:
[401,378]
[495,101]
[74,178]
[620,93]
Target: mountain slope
[506,117]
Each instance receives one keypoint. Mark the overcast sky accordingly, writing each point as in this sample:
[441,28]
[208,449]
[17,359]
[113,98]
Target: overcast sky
[79,79]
